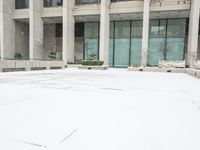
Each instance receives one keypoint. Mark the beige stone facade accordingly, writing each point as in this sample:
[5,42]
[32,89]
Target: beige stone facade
[33,34]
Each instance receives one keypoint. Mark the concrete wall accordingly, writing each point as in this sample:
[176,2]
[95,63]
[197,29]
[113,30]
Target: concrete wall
[51,42]
[22,39]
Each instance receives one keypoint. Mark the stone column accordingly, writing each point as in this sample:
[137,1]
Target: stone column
[68,31]
[145,33]
[36,30]
[193,33]
[1,28]
[104,32]
[7,29]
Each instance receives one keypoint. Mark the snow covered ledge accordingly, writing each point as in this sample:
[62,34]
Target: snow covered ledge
[197,65]
[27,65]
[163,66]
[171,64]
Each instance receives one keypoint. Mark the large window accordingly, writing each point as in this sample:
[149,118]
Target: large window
[125,43]
[166,40]
[176,31]
[136,43]
[53,3]
[120,0]
[91,40]
[157,35]
[77,2]
[122,44]
[21,4]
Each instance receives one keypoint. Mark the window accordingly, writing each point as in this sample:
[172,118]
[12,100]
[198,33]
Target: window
[125,43]
[136,43]
[77,2]
[59,30]
[91,40]
[157,34]
[176,31]
[120,0]
[21,4]
[79,30]
[167,40]
[53,3]
[122,44]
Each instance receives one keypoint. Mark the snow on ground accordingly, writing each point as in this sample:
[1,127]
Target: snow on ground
[99,110]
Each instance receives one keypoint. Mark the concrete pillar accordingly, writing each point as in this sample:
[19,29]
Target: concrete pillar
[1,28]
[36,30]
[104,32]
[193,33]
[7,30]
[68,31]
[145,33]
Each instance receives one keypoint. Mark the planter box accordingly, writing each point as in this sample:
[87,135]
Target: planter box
[28,65]
[93,67]
[171,64]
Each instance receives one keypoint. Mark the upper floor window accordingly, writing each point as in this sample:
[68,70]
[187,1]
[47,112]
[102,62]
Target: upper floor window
[53,3]
[21,4]
[120,0]
[77,2]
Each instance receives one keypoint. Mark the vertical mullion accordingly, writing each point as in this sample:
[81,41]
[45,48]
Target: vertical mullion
[165,53]
[113,43]
[98,40]
[130,44]
[83,41]
[186,30]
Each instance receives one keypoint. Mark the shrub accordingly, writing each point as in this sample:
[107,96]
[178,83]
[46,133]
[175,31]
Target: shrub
[52,55]
[18,56]
[92,63]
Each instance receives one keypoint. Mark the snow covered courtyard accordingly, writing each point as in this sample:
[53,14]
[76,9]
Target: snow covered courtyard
[99,110]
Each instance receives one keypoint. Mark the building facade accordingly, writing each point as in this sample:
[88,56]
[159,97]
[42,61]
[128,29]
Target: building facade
[121,33]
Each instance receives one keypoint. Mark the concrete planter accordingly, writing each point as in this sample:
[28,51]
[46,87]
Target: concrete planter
[27,65]
[171,64]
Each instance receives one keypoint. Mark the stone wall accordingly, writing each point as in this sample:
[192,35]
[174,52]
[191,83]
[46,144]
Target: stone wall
[52,44]
[22,39]
[22,65]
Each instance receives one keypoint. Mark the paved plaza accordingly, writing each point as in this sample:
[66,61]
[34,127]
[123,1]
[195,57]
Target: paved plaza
[75,109]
